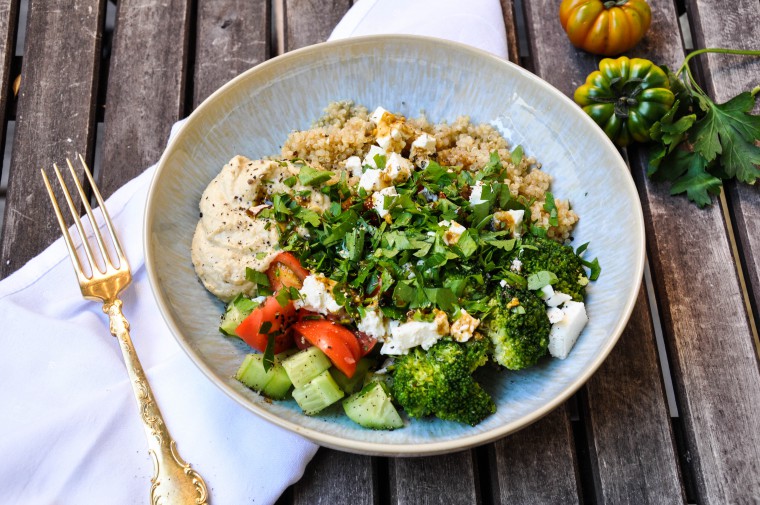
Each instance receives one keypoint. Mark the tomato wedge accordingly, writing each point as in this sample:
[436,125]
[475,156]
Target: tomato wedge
[366,342]
[278,317]
[286,270]
[336,341]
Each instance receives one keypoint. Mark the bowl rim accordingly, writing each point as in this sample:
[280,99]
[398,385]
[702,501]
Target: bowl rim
[378,448]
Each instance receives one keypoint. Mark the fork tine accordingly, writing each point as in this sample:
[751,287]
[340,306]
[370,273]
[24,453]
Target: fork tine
[117,245]
[77,221]
[88,209]
[64,229]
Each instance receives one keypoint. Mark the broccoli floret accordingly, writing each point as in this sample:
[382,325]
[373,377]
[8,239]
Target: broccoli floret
[518,327]
[439,382]
[557,258]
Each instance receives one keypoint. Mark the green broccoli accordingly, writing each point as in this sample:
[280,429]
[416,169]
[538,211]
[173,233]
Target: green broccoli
[518,327]
[439,382]
[557,258]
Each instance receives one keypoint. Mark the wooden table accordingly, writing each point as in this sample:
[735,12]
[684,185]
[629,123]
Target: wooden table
[620,439]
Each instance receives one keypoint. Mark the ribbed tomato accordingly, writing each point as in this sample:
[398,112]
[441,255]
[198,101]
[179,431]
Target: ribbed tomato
[286,270]
[335,340]
[605,27]
[274,319]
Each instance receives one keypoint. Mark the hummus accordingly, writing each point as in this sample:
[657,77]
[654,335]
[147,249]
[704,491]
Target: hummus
[230,236]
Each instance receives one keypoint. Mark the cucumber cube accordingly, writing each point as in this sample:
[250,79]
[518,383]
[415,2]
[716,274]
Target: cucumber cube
[372,408]
[273,384]
[317,394]
[305,365]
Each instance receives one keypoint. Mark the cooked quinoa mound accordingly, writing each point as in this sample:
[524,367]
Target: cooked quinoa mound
[346,130]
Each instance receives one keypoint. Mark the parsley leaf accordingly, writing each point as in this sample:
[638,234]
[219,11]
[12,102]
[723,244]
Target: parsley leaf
[541,279]
[700,142]
[312,177]
[551,208]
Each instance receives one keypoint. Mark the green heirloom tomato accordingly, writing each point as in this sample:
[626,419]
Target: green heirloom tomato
[626,96]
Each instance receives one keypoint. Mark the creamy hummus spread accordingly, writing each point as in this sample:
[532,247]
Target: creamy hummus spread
[230,236]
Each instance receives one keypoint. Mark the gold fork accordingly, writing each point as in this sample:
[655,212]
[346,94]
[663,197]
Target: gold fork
[174,481]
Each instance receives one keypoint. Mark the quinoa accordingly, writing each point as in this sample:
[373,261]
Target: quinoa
[345,130]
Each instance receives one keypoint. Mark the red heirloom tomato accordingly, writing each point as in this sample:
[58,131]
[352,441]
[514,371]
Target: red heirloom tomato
[333,339]
[605,27]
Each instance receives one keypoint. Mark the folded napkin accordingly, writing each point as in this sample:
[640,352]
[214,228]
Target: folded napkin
[69,426]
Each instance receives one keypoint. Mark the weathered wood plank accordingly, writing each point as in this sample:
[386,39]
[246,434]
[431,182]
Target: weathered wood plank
[510,24]
[232,36]
[633,368]
[146,86]
[55,117]
[334,477]
[310,21]
[8,20]
[447,479]
[725,77]
[627,394]
[722,408]
[537,464]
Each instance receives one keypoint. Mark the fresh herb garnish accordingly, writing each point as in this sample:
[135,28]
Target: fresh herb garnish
[702,143]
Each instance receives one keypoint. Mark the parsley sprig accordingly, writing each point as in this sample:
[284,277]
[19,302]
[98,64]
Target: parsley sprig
[702,143]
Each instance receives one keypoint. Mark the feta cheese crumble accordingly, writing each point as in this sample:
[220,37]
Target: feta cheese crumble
[354,164]
[565,332]
[370,158]
[316,295]
[376,116]
[373,324]
[370,180]
[510,220]
[378,200]
[454,233]
[476,194]
[405,336]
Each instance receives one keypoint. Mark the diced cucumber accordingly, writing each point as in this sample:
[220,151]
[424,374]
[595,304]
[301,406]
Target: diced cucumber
[355,383]
[237,310]
[273,384]
[372,408]
[305,365]
[317,394]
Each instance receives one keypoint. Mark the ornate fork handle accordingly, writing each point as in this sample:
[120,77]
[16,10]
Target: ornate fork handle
[174,482]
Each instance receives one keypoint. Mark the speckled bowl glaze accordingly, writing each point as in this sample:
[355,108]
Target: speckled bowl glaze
[253,114]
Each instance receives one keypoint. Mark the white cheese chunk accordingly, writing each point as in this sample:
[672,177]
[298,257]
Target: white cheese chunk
[397,168]
[454,233]
[384,142]
[378,200]
[316,295]
[516,265]
[371,181]
[554,314]
[476,195]
[376,116]
[425,143]
[370,158]
[565,332]
[557,299]
[373,324]
[405,336]
[354,164]
[509,220]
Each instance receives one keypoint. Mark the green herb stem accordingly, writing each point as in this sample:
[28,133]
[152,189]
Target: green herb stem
[718,50]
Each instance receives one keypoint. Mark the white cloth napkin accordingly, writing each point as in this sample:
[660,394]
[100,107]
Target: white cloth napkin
[69,426]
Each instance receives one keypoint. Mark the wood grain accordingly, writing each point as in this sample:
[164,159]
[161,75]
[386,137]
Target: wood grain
[8,20]
[333,478]
[55,117]
[628,387]
[232,36]
[633,454]
[725,77]
[537,464]
[146,86]
[510,24]
[310,21]
[446,479]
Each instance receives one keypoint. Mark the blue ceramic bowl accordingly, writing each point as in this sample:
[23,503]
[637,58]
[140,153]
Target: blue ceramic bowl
[253,114]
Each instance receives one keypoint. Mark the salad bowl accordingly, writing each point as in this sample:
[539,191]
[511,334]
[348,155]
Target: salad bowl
[253,114]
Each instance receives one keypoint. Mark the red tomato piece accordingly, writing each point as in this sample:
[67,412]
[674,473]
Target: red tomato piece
[336,341]
[366,342]
[278,317]
[286,270]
